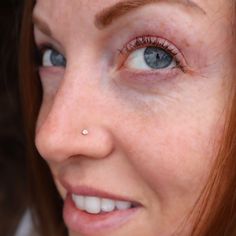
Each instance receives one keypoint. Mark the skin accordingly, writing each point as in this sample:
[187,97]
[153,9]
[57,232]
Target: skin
[153,135]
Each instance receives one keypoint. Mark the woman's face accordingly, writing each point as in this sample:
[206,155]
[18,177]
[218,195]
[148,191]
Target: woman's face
[149,81]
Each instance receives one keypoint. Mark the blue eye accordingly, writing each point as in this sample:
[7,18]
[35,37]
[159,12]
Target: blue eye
[151,53]
[151,58]
[51,58]
[157,58]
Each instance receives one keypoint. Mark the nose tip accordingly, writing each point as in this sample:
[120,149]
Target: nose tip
[58,145]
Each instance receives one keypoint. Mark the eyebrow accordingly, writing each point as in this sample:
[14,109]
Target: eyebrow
[41,25]
[108,15]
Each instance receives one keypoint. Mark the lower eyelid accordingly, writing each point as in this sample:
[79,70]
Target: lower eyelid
[52,71]
[146,82]
[151,71]
[148,76]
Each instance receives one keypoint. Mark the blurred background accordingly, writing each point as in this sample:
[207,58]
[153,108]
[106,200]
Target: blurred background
[13,181]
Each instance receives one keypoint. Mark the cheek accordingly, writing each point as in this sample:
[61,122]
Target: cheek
[175,160]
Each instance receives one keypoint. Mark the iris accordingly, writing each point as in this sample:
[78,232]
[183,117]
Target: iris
[57,59]
[157,58]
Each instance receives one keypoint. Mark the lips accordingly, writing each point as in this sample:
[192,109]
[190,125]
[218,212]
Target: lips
[89,211]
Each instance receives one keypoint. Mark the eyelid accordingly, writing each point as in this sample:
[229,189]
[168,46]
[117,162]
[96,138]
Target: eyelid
[150,40]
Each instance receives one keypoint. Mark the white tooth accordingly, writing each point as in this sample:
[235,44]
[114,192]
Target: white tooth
[92,205]
[107,205]
[79,201]
[122,205]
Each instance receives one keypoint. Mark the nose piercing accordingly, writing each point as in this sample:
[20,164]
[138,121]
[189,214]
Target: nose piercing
[84,132]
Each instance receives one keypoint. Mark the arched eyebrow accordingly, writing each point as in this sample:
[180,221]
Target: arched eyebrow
[108,15]
[41,25]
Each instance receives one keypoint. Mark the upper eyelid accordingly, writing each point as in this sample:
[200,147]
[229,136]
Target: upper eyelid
[149,40]
[42,39]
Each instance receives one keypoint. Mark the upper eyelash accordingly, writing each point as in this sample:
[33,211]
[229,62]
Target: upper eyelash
[148,41]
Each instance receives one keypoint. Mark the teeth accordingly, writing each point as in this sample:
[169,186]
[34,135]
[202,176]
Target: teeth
[122,205]
[96,205]
[79,201]
[92,205]
[107,205]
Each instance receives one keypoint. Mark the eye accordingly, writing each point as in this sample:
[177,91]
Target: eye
[152,53]
[150,58]
[51,57]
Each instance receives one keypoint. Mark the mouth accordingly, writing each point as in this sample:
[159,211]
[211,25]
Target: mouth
[98,205]
[88,211]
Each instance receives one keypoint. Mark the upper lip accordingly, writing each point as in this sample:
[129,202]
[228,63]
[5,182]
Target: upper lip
[90,191]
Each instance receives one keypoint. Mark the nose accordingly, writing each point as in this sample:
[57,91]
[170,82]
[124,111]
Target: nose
[74,125]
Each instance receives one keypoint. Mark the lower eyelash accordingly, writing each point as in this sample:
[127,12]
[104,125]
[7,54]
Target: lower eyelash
[149,41]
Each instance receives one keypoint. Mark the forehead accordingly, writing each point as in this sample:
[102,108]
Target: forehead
[66,16]
[69,14]
[91,7]
[75,6]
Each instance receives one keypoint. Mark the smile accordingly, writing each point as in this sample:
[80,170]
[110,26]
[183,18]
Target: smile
[97,205]
[89,211]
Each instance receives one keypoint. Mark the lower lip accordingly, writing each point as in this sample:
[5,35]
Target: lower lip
[90,224]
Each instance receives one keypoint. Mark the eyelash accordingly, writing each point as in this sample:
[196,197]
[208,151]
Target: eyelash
[153,41]
[137,43]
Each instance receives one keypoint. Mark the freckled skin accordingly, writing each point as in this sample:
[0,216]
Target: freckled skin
[156,148]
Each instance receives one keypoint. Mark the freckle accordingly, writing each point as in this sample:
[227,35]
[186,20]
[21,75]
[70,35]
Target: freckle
[200,42]
[162,26]
[186,43]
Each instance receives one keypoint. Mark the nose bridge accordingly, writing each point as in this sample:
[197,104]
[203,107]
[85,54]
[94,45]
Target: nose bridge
[76,103]
[76,107]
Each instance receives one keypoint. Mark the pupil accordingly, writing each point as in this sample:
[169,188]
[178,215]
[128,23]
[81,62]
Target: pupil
[157,58]
[57,59]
